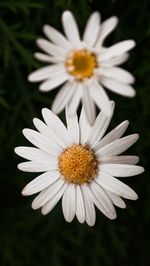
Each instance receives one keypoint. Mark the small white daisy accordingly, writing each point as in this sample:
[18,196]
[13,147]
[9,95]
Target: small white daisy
[84,66]
[79,165]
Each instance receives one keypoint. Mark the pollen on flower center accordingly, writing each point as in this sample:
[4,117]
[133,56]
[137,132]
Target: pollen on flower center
[78,164]
[81,63]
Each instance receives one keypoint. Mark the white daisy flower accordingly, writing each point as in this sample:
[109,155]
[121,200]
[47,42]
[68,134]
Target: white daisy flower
[79,165]
[84,66]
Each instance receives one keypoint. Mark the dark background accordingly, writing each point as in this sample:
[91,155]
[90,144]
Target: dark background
[26,237]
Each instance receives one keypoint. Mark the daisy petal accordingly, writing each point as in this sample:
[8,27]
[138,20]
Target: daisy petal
[113,135]
[46,58]
[98,129]
[100,97]
[118,49]
[89,206]
[40,183]
[75,100]
[118,60]
[84,127]
[73,126]
[92,29]
[118,87]
[88,105]
[123,159]
[56,37]
[50,48]
[118,146]
[102,201]
[106,28]
[69,203]
[52,83]
[63,97]
[51,203]
[33,154]
[118,73]
[116,186]
[121,170]
[46,72]
[47,194]
[48,132]
[71,28]
[56,125]
[41,141]
[80,209]
[37,166]
[116,200]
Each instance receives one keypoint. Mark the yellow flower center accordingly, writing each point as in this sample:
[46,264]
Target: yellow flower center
[78,164]
[81,64]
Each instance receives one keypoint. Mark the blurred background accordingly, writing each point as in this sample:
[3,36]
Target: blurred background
[26,237]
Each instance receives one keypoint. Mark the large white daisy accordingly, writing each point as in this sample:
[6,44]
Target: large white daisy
[79,165]
[84,66]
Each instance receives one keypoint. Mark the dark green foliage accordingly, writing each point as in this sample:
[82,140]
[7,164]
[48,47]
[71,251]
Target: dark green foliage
[26,237]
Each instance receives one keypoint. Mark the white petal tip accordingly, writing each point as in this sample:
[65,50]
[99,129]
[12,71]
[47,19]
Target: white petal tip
[112,103]
[38,41]
[136,197]
[45,28]
[34,207]
[24,192]
[68,220]
[115,20]
[35,55]
[130,44]
[41,57]
[96,12]
[19,167]
[113,217]
[132,81]
[141,169]
[66,13]
[137,160]
[44,111]
[54,110]
[41,88]
[44,212]
[16,150]
[91,224]
[81,221]
[136,135]
[123,206]
[107,112]
[35,120]
[132,93]
[126,123]
[25,131]
[133,43]
[30,78]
